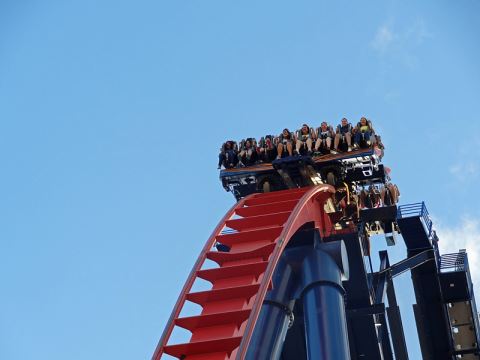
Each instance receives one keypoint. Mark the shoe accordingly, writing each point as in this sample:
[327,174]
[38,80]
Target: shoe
[355,146]
[369,142]
[333,152]
[278,157]
[349,149]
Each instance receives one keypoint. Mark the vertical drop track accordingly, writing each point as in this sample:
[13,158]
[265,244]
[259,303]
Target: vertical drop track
[260,227]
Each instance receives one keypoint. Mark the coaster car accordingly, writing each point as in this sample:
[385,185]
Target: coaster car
[361,166]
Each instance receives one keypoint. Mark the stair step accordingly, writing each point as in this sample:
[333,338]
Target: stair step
[237,292]
[272,199]
[260,221]
[256,210]
[254,269]
[282,192]
[230,317]
[221,257]
[200,347]
[253,235]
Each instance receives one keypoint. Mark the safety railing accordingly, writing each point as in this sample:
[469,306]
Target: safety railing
[453,262]
[416,210]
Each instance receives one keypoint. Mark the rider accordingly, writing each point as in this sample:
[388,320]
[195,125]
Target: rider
[248,152]
[285,140]
[371,198]
[228,155]
[324,135]
[390,194]
[344,130]
[304,136]
[380,146]
[267,148]
[363,131]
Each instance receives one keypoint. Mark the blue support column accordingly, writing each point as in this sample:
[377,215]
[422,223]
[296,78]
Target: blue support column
[272,324]
[323,302]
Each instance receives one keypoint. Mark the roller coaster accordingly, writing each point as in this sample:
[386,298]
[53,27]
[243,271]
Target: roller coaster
[293,277]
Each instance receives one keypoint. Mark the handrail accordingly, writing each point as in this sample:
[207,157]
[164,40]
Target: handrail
[416,210]
[426,218]
[410,209]
[454,261]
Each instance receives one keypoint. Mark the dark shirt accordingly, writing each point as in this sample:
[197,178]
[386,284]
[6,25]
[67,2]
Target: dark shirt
[344,129]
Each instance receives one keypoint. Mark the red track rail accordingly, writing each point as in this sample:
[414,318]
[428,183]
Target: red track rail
[263,224]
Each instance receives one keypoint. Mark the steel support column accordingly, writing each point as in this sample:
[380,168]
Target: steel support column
[323,302]
[275,316]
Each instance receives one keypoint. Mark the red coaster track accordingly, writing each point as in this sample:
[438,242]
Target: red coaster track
[262,226]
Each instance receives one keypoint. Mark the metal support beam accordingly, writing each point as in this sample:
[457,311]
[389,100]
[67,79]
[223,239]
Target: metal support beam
[384,337]
[368,311]
[411,263]
[384,286]
[381,277]
[275,316]
[323,303]
[395,323]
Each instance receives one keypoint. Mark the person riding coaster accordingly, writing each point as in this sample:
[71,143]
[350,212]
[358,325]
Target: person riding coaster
[379,148]
[248,155]
[267,148]
[370,199]
[324,135]
[347,202]
[380,195]
[285,143]
[390,194]
[343,136]
[363,134]
[304,140]
[228,155]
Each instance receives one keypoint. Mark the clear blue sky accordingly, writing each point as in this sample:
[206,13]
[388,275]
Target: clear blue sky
[112,113]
